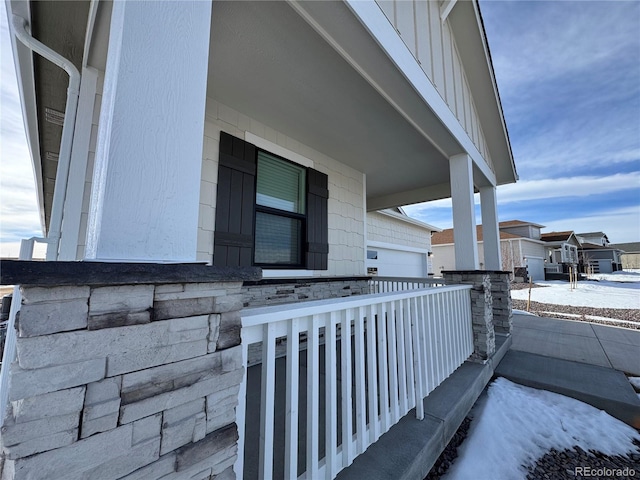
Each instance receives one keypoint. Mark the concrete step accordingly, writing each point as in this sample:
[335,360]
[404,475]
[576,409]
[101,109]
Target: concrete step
[601,387]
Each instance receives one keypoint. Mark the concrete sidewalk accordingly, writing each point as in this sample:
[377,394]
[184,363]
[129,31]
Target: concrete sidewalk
[590,343]
[577,359]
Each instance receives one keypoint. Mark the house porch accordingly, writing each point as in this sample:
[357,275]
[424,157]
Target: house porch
[152,357]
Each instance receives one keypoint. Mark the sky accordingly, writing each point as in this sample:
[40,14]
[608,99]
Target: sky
[19,216]
[568,73]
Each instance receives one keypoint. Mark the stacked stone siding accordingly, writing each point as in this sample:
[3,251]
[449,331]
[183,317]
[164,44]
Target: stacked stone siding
[502,305]
[126,381]
[491,310]
[273,292]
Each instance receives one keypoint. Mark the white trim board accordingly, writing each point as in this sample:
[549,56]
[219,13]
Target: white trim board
[395,246]
[278,150]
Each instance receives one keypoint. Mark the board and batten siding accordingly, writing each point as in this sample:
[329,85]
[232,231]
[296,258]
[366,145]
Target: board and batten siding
[431,42]
[345,205]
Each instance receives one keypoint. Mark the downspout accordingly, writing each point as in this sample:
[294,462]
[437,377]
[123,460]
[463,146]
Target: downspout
[64,158]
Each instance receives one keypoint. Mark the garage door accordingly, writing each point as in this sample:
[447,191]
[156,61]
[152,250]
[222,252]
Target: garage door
[396,263]
[535,267]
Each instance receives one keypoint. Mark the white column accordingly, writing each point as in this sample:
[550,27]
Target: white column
[490,228]
[146,184]
[464,218]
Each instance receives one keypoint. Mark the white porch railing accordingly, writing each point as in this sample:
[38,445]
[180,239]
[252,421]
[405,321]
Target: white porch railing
[403,345]
[553,268]
[398,284]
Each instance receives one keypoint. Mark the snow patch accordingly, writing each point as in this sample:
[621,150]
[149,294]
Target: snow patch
[625,276]
[635,381]
[523,312]
[515,425]
[601,294]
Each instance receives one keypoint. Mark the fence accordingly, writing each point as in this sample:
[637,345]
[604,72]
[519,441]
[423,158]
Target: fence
[341,396]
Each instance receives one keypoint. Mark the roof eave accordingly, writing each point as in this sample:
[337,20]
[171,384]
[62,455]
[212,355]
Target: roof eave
[473,47]
[23,62]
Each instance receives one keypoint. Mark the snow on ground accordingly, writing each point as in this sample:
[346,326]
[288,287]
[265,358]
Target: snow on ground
[626,276]
[635,381]
[515,425]
[601,294]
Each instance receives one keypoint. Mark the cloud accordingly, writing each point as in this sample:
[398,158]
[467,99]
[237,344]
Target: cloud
[610,203]
[554,39]
[621,225]
[562,187]
[569,79]
[19,216]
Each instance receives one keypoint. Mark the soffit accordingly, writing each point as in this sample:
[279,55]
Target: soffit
[267,62]
[61,26]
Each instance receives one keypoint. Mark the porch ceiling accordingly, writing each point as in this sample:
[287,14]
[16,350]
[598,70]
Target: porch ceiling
[267,62]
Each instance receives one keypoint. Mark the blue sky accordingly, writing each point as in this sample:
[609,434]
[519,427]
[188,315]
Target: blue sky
[569,80]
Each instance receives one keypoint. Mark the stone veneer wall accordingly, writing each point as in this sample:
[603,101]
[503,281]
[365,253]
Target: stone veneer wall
[502,304]
[275,291]
[127,381]
[491,309]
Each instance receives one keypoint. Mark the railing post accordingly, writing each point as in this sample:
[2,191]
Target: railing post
[481,310]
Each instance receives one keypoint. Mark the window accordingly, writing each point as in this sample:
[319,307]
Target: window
[270,212]
[280,211]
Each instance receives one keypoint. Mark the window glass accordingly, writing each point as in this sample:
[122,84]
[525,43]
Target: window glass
[277,240]
[280,184]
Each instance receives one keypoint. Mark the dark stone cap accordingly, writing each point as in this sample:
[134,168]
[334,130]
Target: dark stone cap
[51,274]
[474,272]
[303,280]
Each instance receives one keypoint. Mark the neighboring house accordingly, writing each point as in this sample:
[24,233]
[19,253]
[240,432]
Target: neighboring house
[520,246]
[595,238]
[630,256]
[597,259]
[398,245]
[595,255]
[253,137]
[561,250]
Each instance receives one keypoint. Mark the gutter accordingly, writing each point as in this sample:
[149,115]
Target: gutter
[19,25]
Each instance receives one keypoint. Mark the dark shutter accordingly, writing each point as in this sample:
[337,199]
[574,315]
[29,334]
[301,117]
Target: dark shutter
[317,248]
[233,238]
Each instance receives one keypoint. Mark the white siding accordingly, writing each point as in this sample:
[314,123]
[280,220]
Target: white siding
[383,228]
[512,256]
[396,242]
[532,249]
[345,204]
[346,193]
[432,43]
[443,258]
